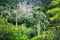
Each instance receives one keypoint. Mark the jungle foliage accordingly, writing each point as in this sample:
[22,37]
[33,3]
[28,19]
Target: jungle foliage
[47,13]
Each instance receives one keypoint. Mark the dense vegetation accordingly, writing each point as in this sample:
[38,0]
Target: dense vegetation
[44,25]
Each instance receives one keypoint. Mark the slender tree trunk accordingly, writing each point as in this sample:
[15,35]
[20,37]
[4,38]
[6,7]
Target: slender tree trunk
[38,28]
[38,23]
[16,20]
